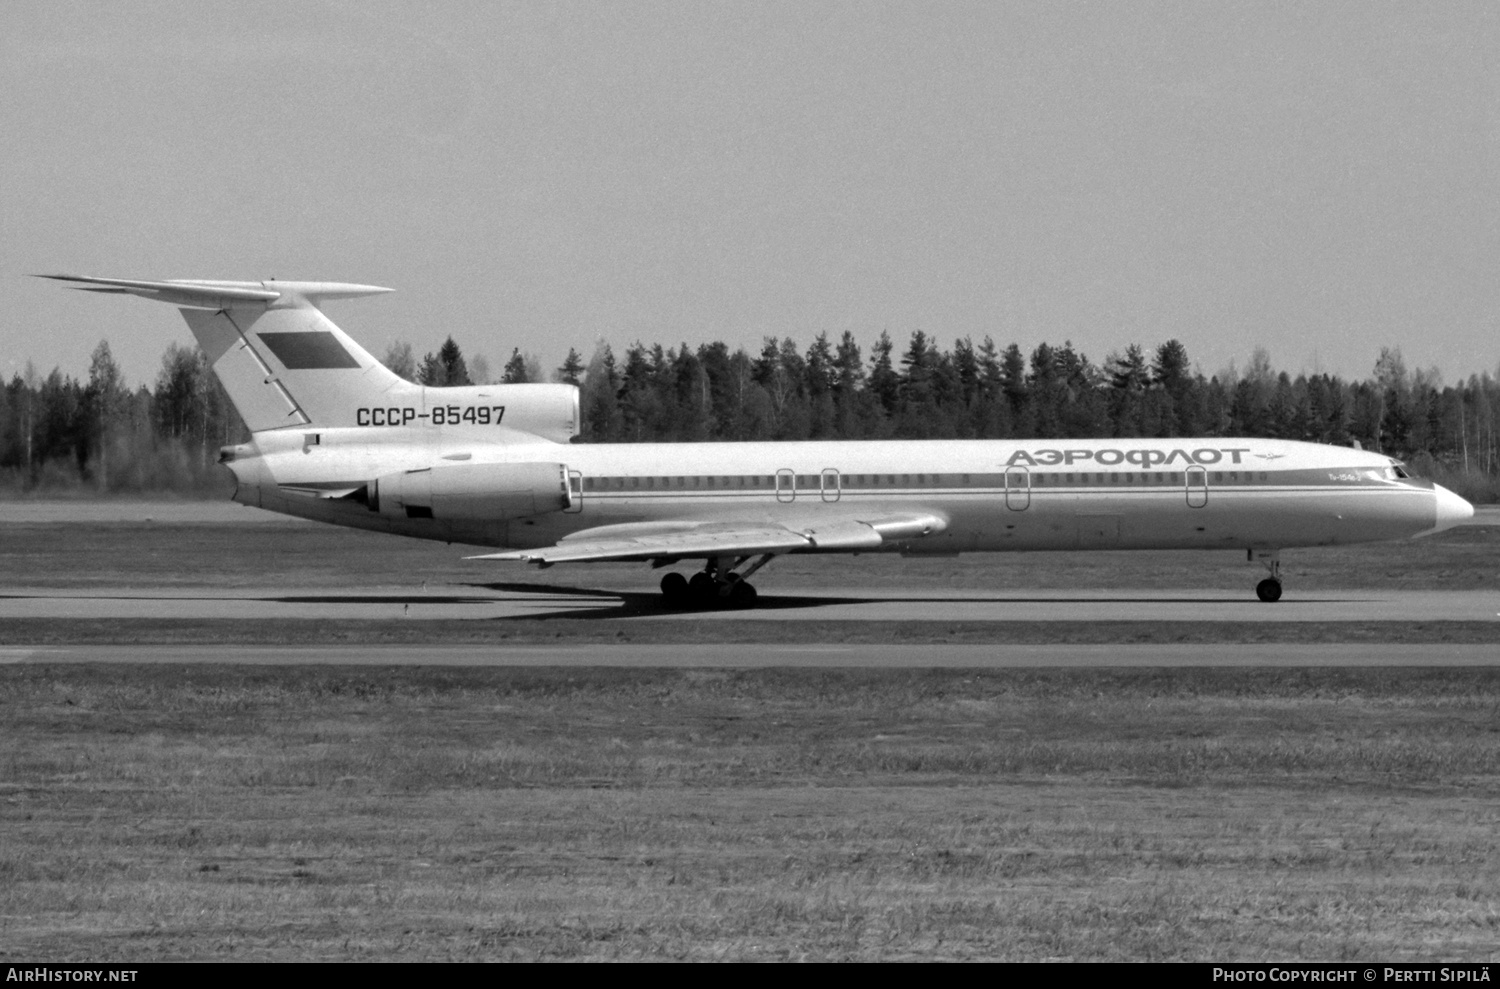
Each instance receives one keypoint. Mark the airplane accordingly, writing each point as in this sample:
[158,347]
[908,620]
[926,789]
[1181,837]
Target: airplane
[339,438]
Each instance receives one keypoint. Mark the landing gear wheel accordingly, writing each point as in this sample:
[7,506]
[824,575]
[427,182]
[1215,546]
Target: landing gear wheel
[702,588]
[1268,590]
[742,595]
[674,588]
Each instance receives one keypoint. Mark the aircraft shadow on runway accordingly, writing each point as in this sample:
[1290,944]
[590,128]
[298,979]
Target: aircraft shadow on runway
[650,604]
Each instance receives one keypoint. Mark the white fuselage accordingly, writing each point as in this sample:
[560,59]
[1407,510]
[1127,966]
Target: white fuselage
[990,494]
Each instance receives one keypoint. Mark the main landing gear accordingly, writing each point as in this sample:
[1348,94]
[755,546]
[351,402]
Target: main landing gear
[1269,589]
[714,586]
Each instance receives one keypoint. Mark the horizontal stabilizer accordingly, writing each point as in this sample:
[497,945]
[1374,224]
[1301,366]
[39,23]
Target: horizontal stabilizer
[199,294]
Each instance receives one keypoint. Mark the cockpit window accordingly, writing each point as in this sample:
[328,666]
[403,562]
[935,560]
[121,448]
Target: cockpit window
[1398,470]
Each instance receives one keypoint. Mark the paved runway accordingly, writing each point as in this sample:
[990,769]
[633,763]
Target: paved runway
[738,656]
[462,602]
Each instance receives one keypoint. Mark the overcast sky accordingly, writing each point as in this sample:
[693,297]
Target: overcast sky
[1316,178]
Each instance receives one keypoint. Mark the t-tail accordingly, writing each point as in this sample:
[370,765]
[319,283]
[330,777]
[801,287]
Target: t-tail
[285,365]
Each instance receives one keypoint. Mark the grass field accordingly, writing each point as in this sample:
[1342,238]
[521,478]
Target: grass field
[160,812]
[203,812]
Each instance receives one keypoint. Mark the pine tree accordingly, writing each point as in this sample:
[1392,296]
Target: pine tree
[820,371]
[1171,372]
[820,375]
[1170,369]
[885,383]
[966,366]
[572,367]
[1128,373]
[1281,411]
[515,369]
[1013,377]
[455,371]
[1042,392]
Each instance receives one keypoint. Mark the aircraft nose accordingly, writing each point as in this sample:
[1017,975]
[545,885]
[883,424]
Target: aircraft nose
[1451,509]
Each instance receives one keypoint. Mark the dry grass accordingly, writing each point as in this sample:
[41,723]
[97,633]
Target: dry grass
[207,812]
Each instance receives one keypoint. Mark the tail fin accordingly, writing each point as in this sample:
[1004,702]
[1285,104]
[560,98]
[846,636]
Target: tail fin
[291,366]
[283,363]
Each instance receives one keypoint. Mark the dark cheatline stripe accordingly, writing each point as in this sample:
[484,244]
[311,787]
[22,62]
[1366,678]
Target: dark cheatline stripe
[309,351]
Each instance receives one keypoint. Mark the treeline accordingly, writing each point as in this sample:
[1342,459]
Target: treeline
[58,433]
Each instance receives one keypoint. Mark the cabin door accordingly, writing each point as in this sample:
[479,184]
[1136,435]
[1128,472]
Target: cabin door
[1197,486]
[830,482]
[786,485]
[1017,489]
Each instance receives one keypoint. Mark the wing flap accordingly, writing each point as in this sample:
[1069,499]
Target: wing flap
[843,535]
[747,541]
[684,539]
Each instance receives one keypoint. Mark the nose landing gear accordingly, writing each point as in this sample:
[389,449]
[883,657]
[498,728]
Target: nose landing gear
[713,586]
[1268,590]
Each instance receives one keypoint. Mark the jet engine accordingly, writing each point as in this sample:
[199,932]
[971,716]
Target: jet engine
[472,492]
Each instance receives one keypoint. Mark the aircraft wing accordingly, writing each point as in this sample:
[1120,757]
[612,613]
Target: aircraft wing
[659,541]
